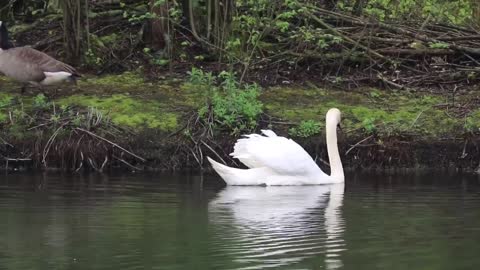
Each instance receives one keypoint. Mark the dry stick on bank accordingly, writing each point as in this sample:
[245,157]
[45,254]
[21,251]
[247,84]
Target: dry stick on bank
[337,33]
[126,163]
[201,135]
[247,62]
[388,82]
[399,30]
[430,56]
[213,151]
[110,142]
[49,144]
[358,143]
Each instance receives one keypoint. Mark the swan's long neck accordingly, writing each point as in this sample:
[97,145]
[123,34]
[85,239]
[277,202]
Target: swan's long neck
[332,148]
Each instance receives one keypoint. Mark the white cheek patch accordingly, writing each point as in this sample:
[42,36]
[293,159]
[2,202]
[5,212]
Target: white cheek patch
[55,77]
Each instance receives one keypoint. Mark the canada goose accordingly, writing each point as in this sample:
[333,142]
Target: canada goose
[31,66]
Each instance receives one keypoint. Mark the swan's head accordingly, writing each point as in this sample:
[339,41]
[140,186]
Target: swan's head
[334,115]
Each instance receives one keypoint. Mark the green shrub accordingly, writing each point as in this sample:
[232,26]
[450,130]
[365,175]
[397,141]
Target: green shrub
[233,106]
[305,129]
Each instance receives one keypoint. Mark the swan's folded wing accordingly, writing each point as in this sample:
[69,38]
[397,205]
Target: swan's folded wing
[241,151]
[242,146]
[280,154]
[268,133]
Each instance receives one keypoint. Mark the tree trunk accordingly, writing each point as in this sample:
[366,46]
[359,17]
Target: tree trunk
[159,32]
[222,18]
[476,12]
[76,29]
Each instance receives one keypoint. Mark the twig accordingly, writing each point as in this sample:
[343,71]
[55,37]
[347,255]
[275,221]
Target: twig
[418,116]
[323,161]
[126,163]
[49,143]
[396,85]
[195,156]
[110,142]
[331,29]
[211,149]
[104,163]
[357,144]
[81,162]
[464,152]
[93,164]
[5,142]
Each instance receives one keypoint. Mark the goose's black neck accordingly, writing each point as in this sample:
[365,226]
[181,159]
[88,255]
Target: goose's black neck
[4,42]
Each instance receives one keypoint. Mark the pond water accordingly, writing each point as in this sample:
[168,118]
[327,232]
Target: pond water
[193,222]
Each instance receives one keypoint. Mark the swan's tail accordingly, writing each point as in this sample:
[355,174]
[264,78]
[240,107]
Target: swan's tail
[240,177]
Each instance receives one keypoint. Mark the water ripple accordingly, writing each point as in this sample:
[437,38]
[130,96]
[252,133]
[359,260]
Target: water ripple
[270,227]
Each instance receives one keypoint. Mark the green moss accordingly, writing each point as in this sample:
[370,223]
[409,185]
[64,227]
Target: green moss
[365,111]
[191,95]
[129,112]
[6,101]
[130,80]
[385,113]
[472,121]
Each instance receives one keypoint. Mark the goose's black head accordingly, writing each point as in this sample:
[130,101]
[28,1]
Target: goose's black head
[4,42]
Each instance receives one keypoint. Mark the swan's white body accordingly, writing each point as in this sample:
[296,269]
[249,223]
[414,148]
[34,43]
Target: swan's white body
[275,160]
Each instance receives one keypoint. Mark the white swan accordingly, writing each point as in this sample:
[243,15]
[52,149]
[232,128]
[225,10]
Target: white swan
[275,160]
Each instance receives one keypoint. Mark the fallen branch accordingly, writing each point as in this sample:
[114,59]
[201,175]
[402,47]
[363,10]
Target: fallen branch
[110,142]
[358,143]
[388,82]
[211,149]
[416,52]
[335,32]
[126,163]
[49,144]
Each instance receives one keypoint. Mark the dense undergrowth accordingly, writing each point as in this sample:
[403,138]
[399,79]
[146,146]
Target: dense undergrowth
[268,42]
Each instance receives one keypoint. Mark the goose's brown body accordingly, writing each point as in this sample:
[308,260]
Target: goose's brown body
[25,64]
[28,65]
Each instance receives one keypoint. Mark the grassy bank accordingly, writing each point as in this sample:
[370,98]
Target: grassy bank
[125,121]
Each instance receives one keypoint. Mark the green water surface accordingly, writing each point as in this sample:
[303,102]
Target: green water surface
[193,222]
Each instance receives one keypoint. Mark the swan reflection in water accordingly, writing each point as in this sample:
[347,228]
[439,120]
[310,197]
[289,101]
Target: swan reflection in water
[262,227]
